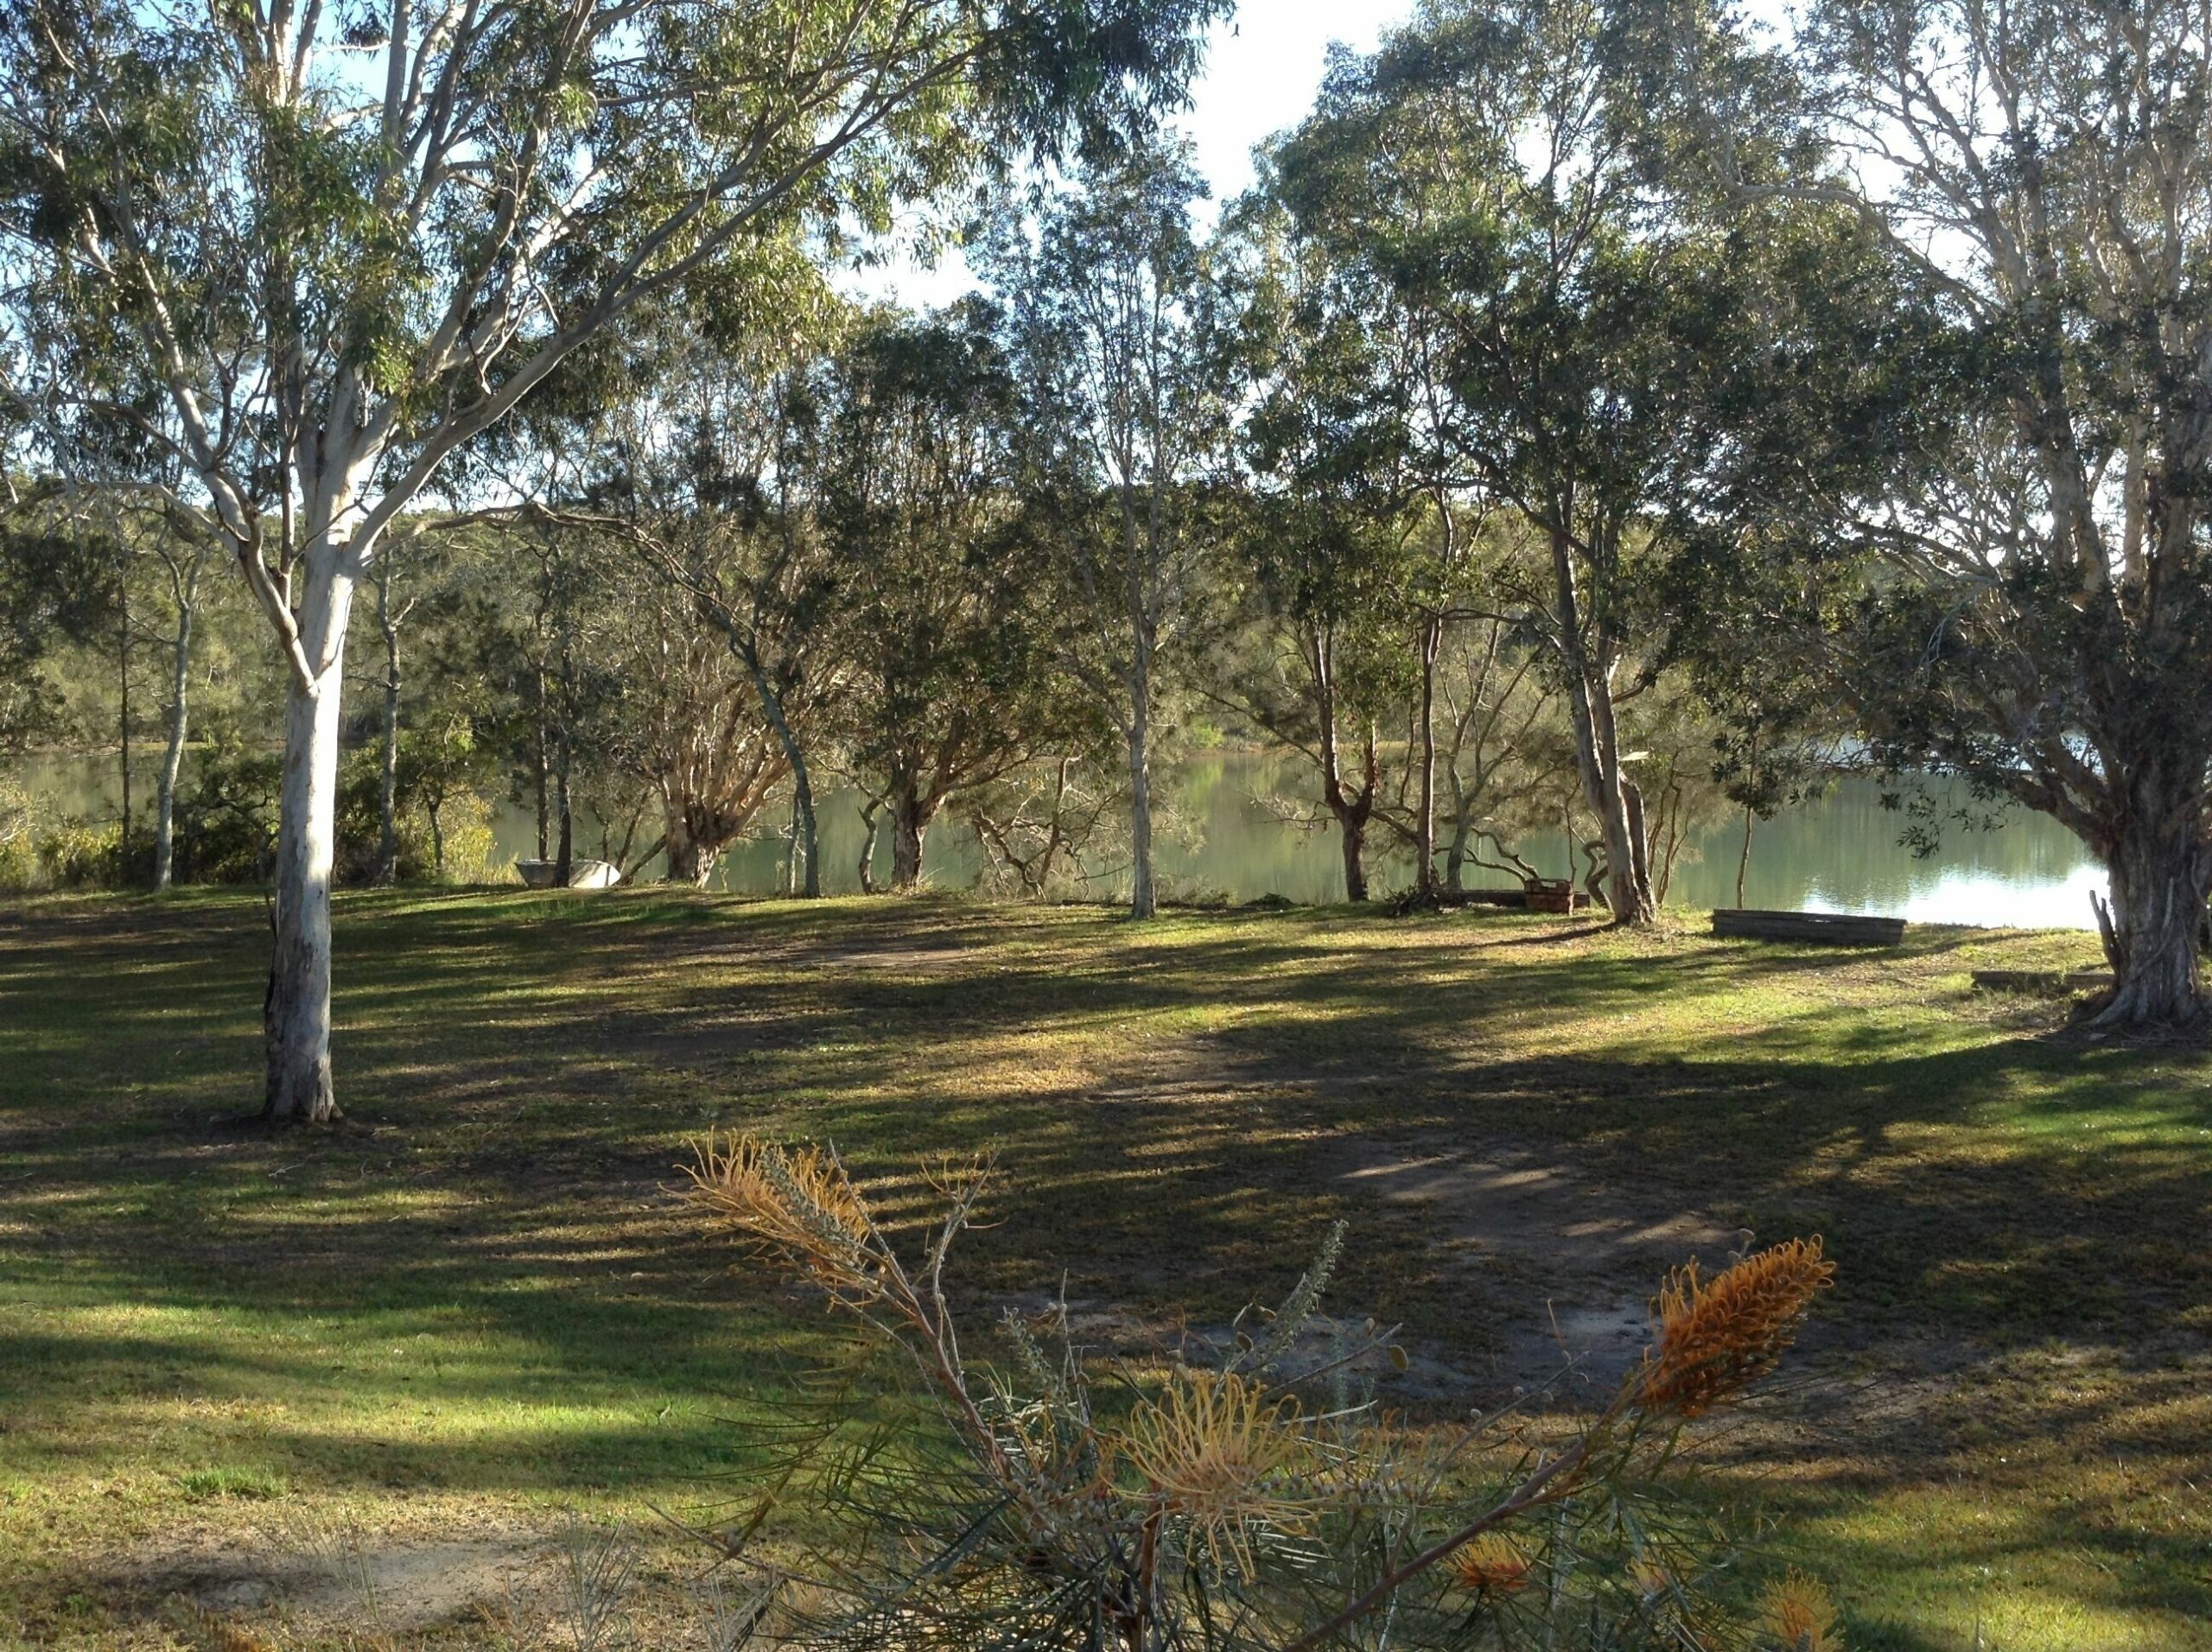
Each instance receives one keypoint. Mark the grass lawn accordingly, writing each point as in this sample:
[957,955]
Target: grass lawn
[476,1307]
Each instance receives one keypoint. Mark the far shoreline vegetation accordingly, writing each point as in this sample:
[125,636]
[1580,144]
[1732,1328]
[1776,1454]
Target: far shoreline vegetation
[1282,1079]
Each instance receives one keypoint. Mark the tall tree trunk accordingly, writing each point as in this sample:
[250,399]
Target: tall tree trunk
[564,853]
[2159,865]
[808,838]
[542,773]
[1596,748]
[123,719]
[564,757]
[173,753]
[1425,827]
[1639,841]
[910,824]
[1352,835]
[1743,860]
[1143,899]
[872,818]
[298,1004]
[387,870]
[802,782]
[689,859]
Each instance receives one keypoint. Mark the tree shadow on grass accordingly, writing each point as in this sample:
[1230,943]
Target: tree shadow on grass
[1170,1103]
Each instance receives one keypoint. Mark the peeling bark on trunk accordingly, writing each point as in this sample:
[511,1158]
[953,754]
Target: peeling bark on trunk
[2158,871]
[689,860]
[1353,838]
[872,818]
[911,813]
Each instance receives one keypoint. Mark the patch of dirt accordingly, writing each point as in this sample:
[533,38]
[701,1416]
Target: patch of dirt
[1593,1256]
[921,959]
[1326,1347]
[400,1587]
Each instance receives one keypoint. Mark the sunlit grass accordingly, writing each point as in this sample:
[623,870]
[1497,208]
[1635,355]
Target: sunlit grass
[476,1300]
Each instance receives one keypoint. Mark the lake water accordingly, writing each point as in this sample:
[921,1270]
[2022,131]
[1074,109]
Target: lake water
[1838,854]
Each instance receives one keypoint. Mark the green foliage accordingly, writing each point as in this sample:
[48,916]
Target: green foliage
[227,815]
[76,855]
[57,586]
[18,846]
[253,1484]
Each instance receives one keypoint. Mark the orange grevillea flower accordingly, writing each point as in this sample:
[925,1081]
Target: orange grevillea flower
[801,1200]
[1490,1565]
[1217,1452]
[1797,1615]
[1718,1336]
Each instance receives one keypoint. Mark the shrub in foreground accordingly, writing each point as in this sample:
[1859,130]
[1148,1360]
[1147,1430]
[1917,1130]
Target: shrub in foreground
[1250,1503]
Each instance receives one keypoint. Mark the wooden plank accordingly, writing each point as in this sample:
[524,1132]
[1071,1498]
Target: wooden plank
[1561,899]
[2051,982]
[1829,929]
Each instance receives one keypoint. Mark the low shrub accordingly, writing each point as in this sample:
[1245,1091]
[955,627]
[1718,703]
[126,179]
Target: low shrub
[79,855]
[1251,1500]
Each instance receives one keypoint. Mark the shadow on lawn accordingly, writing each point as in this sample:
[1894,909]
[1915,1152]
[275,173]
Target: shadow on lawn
[524,1069]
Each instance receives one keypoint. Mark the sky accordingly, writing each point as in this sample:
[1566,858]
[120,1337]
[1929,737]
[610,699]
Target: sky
[1262,69]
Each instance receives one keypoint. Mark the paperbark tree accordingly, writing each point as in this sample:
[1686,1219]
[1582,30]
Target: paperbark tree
[345,243]
[2039,612]
[1330,529]
[1122,415]
[183,549]
[700,461]
[693,728]
[1490,166]
[941,623]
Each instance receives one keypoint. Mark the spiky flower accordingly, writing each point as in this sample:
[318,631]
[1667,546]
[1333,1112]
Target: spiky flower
[1718,1336]
[1490,1565]
[802,1202]
[1797,1615]
[1216,1452]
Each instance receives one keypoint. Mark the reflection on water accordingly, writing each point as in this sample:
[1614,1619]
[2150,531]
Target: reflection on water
[1839,854]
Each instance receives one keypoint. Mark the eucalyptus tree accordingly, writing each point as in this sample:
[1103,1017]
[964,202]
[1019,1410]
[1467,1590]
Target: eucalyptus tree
[342,242]
[943,626]
[699,453]
[56,590]
[691,726]
[1497,710]
[1488,164]
[2028,602]
[1408,432]
[1323,542]
[1124,419]
[179,541]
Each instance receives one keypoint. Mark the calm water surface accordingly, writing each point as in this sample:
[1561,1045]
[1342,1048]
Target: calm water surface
[1839,854]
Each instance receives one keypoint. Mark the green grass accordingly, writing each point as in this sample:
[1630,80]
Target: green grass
[476,1305]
